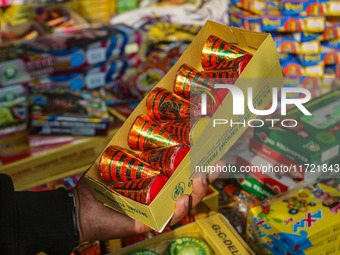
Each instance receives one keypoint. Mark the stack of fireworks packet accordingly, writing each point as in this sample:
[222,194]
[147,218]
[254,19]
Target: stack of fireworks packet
[307,35]
[303,221]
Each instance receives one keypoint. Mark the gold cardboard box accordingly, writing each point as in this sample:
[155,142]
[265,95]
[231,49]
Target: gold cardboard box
[264,71]
[215,230]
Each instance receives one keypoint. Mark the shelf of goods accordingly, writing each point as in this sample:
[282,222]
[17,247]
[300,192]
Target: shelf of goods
[57,163]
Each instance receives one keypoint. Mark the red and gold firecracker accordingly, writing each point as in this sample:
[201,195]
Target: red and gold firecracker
[162,104]
[146,134]
[211,101]
[189,80]
[179,129]
[166,159]
[220,55]
[222,77]
[141,190]
[117,164]
[185,130]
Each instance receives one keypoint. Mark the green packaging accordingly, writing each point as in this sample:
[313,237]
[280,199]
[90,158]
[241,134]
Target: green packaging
[315,138]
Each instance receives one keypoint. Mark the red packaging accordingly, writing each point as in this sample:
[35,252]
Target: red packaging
[162,104]
[118,164]
[220,55]
[146,134]
[189,82]
[166,159]
[141,190]
[184,130]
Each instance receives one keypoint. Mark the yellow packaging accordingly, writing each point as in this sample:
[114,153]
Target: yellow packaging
[311,47]
[211,199]
[56,163]
[215,230]
[299,220]
[264,71]
[313,71]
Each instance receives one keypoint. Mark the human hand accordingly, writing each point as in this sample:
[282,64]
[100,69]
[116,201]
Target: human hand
[98,222]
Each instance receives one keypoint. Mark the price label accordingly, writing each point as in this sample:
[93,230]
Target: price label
[310,47]
[131,48]
[317,25]
[258,5]
[95,80]
[314,70]
[95,56]
[334,7]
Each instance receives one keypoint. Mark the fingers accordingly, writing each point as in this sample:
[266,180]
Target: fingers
[200,188]
[213,176]
[181,209]
[140,228]
[201,182]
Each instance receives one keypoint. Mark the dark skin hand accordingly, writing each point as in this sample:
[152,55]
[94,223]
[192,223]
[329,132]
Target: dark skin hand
[98,222]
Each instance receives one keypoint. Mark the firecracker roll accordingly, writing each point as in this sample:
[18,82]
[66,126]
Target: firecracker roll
[185,130]
[141,190]
[146,134]
[162,104]
[190,81]
[166,159]
[227,76]
[220,55]
[118,164]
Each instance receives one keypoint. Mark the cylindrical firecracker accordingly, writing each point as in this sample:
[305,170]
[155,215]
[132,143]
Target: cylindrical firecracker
[117,164]
[166,159]
[220,55]
[198,100]
[146,134]
[189,80]
[227,76]
[179,129]
[141,190]
[162,104]
[185,130]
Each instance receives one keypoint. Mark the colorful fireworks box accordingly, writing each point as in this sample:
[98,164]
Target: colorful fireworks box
[290,7]
[276,181]
[330,7]
[332,31]
[335,43]
[292,67]
[260,7]
[303,221]
[314,139]
[312,24]
[68,113]
[244,19]
[327,57]
[92,78]
[286,44]
[13,121]
[302,8]
[160,124]
[209,235]
[66,53]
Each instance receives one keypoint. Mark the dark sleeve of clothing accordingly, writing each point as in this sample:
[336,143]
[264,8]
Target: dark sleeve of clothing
[31,222]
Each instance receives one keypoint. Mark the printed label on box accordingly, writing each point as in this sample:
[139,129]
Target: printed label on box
[95,80]
[95,56]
